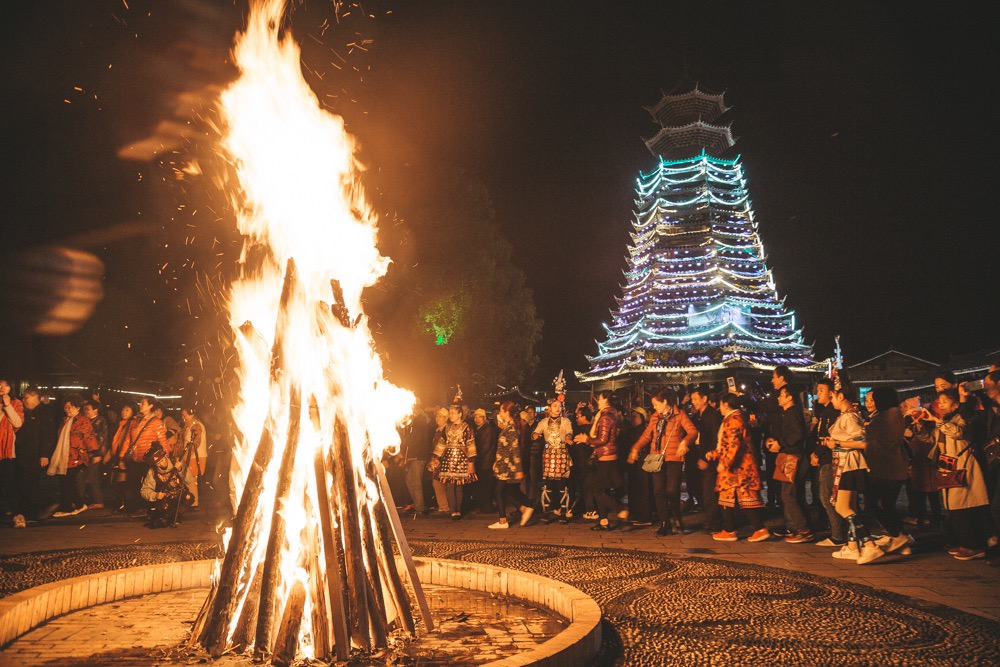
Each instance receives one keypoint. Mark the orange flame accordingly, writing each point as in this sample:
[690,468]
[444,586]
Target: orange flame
[299,199]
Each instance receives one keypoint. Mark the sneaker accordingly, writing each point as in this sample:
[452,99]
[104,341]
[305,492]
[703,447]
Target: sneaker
[897,543]
[82,508]
[869,552]
[526,516]
[455,516]
[725,536]
[847,552]
[762,535]
[664,529]
[954,550]
[968,554]
[19,521]
[800,538]
[830,542]
[590,516]
[569,515]
[499,525]
[781,532]
[601,526]
[61,514]
[905,551]
[100,506]
[642,524]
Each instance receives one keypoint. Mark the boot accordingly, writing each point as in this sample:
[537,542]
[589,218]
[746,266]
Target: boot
[664,529]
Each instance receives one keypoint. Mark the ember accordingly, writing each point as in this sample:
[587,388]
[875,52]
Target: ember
[309,569]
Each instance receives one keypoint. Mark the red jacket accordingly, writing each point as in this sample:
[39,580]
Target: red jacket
[605,438]
[7,429]
[678,429]
[144,432]
[83,443]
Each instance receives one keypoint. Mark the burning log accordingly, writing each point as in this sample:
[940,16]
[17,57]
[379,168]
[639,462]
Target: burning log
[334,571]
[357,580]
[320,602]
[276,540]
[246,625]
[214,636]
[288,632]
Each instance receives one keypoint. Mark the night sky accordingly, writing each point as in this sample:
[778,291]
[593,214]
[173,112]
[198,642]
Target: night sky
[865,130]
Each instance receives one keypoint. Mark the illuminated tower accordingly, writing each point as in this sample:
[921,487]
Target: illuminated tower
[698,301]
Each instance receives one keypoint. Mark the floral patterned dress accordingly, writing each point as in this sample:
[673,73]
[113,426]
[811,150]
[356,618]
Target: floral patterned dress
[455,451]
[508,464]
[739,476]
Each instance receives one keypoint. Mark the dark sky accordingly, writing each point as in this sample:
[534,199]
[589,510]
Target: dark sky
[865,130]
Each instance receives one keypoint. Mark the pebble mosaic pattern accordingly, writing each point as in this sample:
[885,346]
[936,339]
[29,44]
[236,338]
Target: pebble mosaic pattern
[668,610]
[664,609]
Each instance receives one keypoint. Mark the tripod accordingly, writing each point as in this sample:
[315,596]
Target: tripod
[181,472]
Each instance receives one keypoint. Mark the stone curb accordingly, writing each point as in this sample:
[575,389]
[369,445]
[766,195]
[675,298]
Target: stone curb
[576,645]
[28,609]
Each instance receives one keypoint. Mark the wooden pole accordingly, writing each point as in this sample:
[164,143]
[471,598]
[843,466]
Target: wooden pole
[377,599]
[404,547]
[247,623]
[276,539]
[288,631]
[334,572]
[320,602]
[357,580]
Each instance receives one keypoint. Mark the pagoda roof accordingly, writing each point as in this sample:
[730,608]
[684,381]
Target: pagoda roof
[697,134]
[695,104]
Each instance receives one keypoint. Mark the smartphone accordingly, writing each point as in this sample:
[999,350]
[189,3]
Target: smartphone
[731,383]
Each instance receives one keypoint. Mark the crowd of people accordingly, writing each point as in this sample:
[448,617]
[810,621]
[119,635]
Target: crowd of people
[67,455]
[837,467]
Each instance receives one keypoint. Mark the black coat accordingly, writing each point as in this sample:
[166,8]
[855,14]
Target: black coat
[707,423]
[36,439]
[486,446]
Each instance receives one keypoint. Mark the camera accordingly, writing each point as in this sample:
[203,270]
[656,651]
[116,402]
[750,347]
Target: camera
[974,385]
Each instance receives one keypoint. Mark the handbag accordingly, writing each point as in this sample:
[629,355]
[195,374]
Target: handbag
[948,475]
[785,467]
[992,452]
[652,462]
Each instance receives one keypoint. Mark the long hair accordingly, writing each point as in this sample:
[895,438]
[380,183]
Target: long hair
[510,407]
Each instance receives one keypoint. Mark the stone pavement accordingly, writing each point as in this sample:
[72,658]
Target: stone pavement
[473,628]
[929,574]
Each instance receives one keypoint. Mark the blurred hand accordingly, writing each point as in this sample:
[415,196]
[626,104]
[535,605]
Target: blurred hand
[632,457]
[702,464]
[44,463]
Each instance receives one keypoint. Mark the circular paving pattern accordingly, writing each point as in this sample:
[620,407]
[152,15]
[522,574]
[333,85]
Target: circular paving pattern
[668,610]
[663,609]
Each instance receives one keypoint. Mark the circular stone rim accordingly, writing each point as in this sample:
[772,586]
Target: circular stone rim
[579,643]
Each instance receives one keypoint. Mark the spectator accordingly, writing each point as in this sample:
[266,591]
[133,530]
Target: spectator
[991,429]
[76,448]
[737,475]
[640,482]
[555,433]
[888,465]
[438,439]
[92,480]
[194,450]
[773,412]
[921,489]
[11,419]
[822,458]
[144,431]
[847,440]
[416,441]
[531,451]
[454,458]
[707,419]
[790,440]
[35,439]
[968,504]
[583,465]
[968,404]
[486,453]
[172,445]
[118,455]
[669,435]
[508,467]
[606,478]
[163,489]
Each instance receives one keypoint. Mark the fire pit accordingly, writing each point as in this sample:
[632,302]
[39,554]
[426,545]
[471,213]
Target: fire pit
[486,615]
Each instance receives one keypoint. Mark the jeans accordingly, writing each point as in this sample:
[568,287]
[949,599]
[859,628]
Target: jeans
[89,482]
[838,527]
[415,483]
[667,491]
[509,493]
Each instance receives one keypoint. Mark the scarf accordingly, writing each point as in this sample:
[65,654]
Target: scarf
[60,457]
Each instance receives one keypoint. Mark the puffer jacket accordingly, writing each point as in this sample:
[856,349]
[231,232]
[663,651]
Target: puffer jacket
[604,435]
[677,429]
